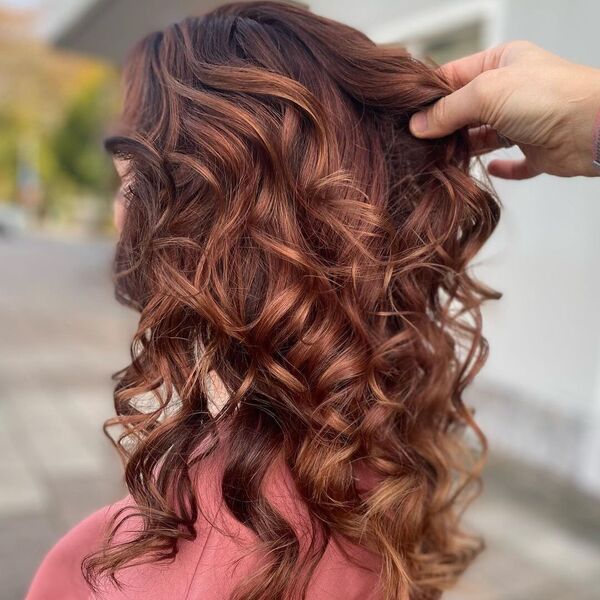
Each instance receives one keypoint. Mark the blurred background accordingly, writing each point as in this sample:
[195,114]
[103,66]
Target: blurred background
[62,334]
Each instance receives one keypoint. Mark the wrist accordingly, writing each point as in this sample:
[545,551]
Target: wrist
[596,142]
[591,119]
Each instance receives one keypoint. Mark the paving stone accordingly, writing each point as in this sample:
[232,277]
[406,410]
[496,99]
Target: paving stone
[24,540]
[73,498]
[49,439]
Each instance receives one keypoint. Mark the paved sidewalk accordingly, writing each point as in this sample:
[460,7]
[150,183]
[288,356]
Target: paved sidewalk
[63,334]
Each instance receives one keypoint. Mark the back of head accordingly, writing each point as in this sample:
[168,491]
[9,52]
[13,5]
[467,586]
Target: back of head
[287,237]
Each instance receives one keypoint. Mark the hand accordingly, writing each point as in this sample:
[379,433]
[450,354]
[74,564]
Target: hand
[545,104]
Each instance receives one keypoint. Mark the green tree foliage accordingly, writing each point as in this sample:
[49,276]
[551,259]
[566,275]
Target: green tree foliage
[54,110]
[75,164]
[8,156]
[77,143]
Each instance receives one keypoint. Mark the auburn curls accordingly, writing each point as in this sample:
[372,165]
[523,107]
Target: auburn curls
[287,235]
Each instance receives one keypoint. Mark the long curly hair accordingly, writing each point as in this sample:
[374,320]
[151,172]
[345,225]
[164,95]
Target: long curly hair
[286,236]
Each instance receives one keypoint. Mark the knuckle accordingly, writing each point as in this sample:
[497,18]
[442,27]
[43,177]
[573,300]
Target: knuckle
[439,112]
[480,86]
[520,45]
[485,92]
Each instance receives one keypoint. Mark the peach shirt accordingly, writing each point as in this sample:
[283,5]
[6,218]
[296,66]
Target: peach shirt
[204,569]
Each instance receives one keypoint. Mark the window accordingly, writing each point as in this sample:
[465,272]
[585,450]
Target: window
[447,31]
[448,45]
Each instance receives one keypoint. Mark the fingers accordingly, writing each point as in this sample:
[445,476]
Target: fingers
[459,109]
[465,105]
[463,70]
[512,169]
[484,139]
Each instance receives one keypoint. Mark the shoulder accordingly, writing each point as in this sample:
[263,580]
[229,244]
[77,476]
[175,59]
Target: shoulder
[59,574]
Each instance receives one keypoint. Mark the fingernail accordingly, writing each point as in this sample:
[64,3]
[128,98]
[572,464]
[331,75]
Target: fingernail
[418,122]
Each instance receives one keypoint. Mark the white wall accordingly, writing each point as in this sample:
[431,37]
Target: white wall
[545,332]
[539,394]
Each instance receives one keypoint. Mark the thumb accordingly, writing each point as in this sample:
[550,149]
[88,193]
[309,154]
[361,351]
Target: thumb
[458,109]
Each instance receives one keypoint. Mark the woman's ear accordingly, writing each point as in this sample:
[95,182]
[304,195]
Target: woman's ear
[118,213]
[119,204]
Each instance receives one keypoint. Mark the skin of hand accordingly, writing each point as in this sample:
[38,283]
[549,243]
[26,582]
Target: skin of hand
[545,104]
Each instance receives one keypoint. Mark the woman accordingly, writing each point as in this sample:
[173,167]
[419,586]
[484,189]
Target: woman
[291,421]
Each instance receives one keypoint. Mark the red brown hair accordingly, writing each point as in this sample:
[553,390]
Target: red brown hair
[285,232]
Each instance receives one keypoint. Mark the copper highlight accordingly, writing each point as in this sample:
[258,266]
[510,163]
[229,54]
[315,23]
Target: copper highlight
[286,234]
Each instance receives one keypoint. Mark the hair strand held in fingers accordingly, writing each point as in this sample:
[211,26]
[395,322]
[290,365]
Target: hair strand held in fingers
[288,237]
